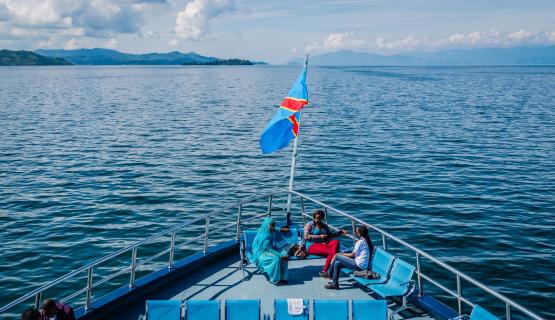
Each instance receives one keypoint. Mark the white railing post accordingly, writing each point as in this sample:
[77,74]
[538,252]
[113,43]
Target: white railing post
[37,300]
[507,311]
[459,295]
[239,211]
[419,276]
[172,250]
[133,267]
[89,289]
[206,235]
[354,231]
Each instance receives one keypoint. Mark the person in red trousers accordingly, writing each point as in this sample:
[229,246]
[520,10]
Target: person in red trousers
[318,240]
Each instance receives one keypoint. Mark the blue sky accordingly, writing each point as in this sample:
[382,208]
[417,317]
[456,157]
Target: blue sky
[274,31]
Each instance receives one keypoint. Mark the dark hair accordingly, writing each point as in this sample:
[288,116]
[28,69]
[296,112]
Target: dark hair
[31,314]
[294,248]
[363,231]
[320,212]
[48,304]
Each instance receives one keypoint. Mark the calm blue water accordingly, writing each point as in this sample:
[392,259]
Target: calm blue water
[458,161]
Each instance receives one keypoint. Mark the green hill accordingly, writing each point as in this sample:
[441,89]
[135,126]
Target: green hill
[227,62]
[28,58]
[99,56]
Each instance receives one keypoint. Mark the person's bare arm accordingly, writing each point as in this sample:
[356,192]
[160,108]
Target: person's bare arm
[307,231]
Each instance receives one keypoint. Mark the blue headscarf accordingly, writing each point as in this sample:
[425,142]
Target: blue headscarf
[262,240]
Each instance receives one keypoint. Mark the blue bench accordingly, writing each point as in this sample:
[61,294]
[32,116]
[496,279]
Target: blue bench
[242,310]
[162,310]
[382,261]
[281,311]
[369,310]
[282,240]
[399,284]
[331,309]
[435,308]
[202,310]
[250,310]
[478,313]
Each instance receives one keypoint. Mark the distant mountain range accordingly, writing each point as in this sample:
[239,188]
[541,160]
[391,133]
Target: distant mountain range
[28,58]
[536,55]
[112,57]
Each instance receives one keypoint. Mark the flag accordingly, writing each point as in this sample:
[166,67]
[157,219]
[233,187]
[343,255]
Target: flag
[284,126]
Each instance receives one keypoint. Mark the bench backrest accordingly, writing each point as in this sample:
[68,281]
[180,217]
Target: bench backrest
[401,273]
[281,311]
[248,237]
[369,310]
[331,310]
[242,310]
[284,240]
[163,310]
[202,310]
[382,262]
[479,313]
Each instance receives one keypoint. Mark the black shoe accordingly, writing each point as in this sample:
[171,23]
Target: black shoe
[325,275]
[332,286]
[284,282]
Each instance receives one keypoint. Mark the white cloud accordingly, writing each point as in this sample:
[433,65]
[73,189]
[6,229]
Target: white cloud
[73,32]
[66,19]
[521,35]
[48,44]
[193,21]
[112,43]
[76,43]
[173,42]
[338,41]
[474,39]
[341,41]
[35,12]
[409,42]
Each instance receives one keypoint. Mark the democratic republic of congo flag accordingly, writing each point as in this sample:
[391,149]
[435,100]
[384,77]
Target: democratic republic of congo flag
[284,126]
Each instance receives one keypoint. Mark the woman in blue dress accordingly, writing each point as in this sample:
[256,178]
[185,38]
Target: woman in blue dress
[267,257]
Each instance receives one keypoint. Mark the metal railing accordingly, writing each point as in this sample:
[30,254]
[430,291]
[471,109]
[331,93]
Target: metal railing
[509,304]
[134,264]
[171,232]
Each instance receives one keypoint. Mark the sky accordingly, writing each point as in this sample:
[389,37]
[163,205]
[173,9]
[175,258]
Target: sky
[274,31]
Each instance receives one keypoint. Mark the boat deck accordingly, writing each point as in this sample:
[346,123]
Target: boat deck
[224,280]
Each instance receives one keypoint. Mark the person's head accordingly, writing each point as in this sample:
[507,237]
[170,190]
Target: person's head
[318,216]
[49,307]
[362,231]
[31,314]
[272,226]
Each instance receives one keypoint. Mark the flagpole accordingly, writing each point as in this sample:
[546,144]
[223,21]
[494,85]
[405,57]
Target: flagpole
[293,162]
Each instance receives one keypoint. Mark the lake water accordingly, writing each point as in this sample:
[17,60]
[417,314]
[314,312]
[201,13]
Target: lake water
[459,162]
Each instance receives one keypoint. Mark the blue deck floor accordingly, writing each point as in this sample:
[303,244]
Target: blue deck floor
[223,280]
[304,282]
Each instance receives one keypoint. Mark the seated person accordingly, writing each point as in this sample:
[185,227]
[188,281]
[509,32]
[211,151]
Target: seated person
[266,256]
[317,237]
[356,260]
[31,314]
[57,310]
